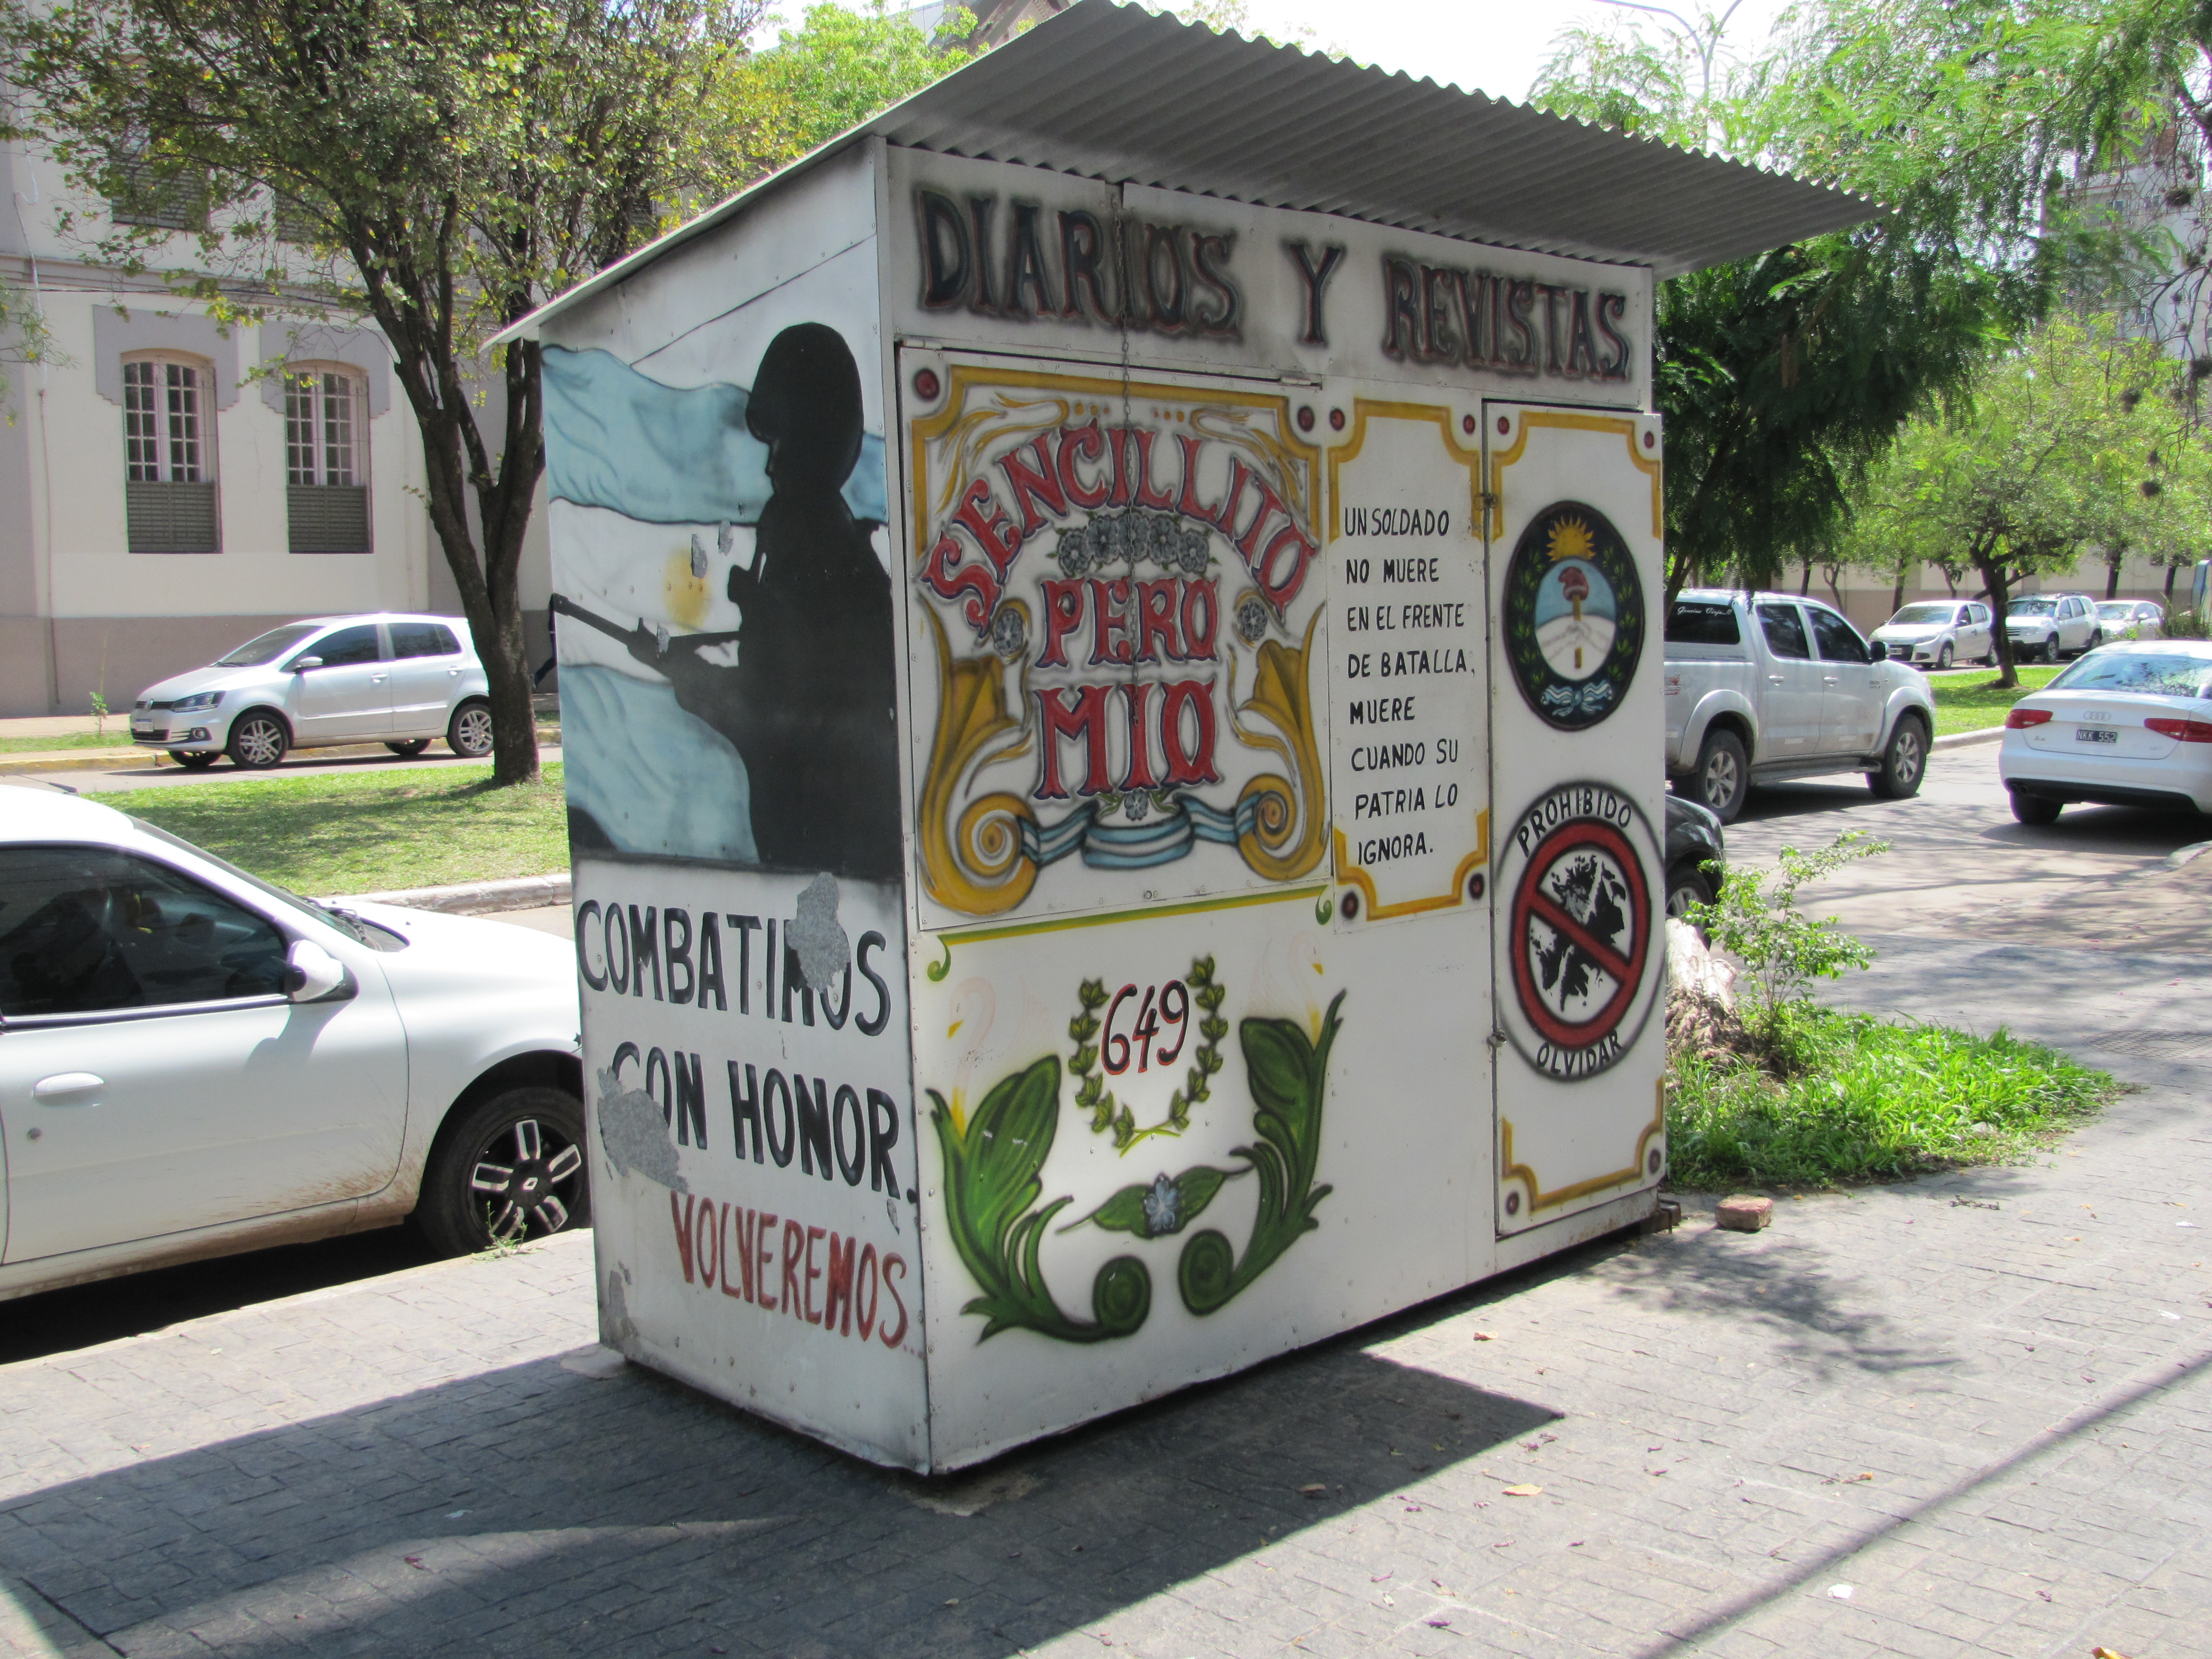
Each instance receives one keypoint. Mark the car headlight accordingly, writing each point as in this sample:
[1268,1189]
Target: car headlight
[198,700]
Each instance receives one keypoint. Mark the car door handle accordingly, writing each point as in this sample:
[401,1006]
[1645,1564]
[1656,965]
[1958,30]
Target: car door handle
[66,1088]
[377,679]
[1777,679]
[1831,679]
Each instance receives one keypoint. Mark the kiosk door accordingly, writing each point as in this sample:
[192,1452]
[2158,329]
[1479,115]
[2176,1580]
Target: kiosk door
[1575,581]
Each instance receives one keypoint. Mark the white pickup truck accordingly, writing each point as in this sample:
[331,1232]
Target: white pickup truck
[1765,686]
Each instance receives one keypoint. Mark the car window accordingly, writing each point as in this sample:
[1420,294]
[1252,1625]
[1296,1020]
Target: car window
[349,645]
[1979,613]
[424,640]
[266,647]
[90,930]
[1702,622]
[2161,673]
[2032,608]
[1839,641]
[1922,615]
[1785,634]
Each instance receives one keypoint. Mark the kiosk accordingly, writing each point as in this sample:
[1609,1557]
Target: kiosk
[1113,730]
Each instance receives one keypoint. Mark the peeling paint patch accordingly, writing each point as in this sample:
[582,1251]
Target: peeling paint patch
[615,1329]
[823,951]
[634,1134]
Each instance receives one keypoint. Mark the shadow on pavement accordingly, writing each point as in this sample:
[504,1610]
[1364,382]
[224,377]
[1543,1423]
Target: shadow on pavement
[534,1509]
[59,1322]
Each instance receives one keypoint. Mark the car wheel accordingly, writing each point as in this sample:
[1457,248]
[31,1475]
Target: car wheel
[259,740]
[1904,763]
[195,760]
[470,731]
[2051,649]
[2096,639]
[507,1169]
[2033,809]
[1723,775]
[1943,658]
[1686,885]
[410,749]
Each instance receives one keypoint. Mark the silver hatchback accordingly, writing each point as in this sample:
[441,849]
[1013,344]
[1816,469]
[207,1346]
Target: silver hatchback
[394,679]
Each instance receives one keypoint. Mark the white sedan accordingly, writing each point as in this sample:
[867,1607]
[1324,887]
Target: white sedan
[2127,725]
[194,1062]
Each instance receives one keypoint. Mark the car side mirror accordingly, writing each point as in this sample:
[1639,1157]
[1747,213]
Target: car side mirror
[1877,650]
[313,974]
[300,664]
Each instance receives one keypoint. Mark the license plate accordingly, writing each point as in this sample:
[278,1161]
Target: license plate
[2095,734]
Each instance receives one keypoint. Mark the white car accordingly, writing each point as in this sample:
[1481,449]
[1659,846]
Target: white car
[193,1062]
[2131,726]
[1935,633]
[2051,626]
[394,679]
[2130,619]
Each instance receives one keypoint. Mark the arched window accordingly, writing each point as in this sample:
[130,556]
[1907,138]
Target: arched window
[168,448]
[326,458]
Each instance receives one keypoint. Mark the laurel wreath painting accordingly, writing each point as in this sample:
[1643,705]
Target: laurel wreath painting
[1091,1091]
[993,1160]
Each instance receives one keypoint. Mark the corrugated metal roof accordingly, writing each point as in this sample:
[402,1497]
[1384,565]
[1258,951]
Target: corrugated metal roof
[1110,91]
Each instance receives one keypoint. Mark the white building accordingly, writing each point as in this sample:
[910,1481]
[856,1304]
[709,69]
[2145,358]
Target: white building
[168,487]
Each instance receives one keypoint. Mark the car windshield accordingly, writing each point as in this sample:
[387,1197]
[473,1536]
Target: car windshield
[2161,673]
[2031,607]
[270,647]
[1921,614]
[2116,611]
[344,920]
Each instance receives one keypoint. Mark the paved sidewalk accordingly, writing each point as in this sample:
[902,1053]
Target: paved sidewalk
[1960,1416]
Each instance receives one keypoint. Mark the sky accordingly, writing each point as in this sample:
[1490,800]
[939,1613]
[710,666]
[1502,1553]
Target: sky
[1495,46]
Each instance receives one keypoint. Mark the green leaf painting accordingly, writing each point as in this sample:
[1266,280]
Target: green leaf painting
[991,1190]
[993,1159]
[1288,1073]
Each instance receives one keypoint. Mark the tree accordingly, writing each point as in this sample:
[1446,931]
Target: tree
[1785,376]
[2069,444]
[23,337]
[835,72]
[460,162]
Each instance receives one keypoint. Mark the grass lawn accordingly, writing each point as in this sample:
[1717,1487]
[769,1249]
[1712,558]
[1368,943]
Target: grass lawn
[67,740]
[1971,702]
[372,833]
[1863,1100]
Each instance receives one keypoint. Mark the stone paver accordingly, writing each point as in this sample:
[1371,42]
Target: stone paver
[1966,1415]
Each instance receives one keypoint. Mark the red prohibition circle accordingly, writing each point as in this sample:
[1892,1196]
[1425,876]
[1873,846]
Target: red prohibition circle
[1627,975]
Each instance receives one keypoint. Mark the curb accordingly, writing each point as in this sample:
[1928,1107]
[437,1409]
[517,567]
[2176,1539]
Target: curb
[471,898]
[1960,739]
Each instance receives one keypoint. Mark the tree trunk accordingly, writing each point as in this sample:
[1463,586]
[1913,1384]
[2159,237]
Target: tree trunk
[1993,573]
[1897,591]
[1805,582]
[2113,575]
[2172,571]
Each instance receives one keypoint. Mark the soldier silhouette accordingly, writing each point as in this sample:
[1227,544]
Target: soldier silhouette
[808,705]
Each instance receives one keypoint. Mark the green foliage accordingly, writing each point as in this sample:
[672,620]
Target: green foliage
[990,1191]
[1166,1206]
[1785,376]
[2187,625]
[1863,1099]
[1289,1076]
[2075,440]
[841,67]
[1781,949]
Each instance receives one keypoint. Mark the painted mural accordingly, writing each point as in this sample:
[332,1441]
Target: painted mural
[993,1156]
[723,552]
[1116,600]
